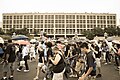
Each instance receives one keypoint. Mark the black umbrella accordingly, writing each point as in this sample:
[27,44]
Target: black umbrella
[19,37]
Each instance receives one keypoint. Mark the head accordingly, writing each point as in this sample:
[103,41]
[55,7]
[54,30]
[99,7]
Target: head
[84,47]
[65,42]
[55,49]
[9,41]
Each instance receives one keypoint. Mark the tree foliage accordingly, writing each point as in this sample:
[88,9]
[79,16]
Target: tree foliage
[23,31]
[1,31]
[111,31]
[89,34]
[98,31]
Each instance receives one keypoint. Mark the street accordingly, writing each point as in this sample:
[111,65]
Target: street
[108,73]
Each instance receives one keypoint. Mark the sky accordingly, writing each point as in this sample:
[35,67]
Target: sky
[66,6]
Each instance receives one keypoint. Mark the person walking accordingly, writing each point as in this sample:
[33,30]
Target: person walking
[25,52]
[59,66]
[9,60]
[90,72]
[41,60]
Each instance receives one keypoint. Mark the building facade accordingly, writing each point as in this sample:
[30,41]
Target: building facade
[58,24]
[0,24]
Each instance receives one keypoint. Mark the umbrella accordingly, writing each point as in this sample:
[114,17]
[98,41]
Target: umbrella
[1,40]
[109,39]
[19,37]
[33,40]
[116,41]
[22,42]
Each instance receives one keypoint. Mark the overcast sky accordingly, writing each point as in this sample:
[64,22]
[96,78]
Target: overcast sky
[78,6]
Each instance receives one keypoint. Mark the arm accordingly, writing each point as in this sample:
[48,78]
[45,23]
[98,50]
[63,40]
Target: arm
[85,75]
[43,60]
[56,60]
[68,53]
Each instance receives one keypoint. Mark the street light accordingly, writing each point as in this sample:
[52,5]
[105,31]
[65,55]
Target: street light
[105,35]
[14,34]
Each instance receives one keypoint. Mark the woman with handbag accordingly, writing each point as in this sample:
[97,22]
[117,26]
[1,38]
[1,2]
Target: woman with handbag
[59,65]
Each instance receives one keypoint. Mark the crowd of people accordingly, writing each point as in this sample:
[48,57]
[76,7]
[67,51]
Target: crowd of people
[57,58]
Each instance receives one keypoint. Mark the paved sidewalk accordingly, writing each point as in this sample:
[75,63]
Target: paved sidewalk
[108,73]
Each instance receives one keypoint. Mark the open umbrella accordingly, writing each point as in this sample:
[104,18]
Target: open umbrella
[22,42]
[110,39]
[116,41]
[19,37]
[33,40]
[1,40]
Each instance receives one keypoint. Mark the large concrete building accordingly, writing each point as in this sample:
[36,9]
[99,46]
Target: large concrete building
[58,24]
[0,24]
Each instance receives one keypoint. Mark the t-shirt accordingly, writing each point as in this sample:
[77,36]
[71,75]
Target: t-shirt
[67,47]
[41,54]
[49,53]
[91,63]
[98,55]
[1,51]
[10,49]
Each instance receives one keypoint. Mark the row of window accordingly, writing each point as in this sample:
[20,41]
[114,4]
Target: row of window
[58,21]
[58,26]
[59,17]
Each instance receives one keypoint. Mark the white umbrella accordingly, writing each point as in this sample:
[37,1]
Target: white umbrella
[33,40]
[116,41]
[1,40]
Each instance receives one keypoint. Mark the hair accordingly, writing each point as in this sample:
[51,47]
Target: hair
[55,48]
[9,41]
[84,45]
[42,42]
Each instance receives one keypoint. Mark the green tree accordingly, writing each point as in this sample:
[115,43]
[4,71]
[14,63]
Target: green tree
[23,31]
[1,31]
[118,31]
[98,31]
[111,31]
[89,34]
[10,31]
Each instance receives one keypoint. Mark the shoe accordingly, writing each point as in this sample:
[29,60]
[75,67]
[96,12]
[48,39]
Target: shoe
[26,70]
[11,78]
[44,78]
[106,63]
[98,76]
[118,67]
[4,79]
[36,78]
[18,70]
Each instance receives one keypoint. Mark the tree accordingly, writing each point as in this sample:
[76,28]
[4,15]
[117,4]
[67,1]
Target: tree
[118,31]
[98,31]
[23,31]
[1,31]
[10,31]
[111,31]
[89,35]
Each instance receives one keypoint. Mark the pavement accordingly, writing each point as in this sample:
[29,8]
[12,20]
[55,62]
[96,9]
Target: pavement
[108,73]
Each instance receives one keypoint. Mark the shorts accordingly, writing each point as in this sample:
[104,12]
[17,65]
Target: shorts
[98,63]
[40,64]
[58,76]
[9,66]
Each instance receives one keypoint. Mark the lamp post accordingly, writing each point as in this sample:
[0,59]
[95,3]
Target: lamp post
[14,34]
[105,35]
